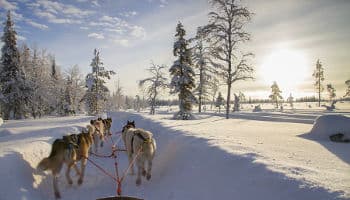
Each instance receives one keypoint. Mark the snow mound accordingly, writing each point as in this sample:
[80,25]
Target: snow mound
[1,121]
[327,125]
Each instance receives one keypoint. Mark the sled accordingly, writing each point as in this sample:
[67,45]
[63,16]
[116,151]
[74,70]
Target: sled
[120,198]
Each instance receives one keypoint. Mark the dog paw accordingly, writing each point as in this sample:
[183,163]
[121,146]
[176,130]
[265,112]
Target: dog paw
[138,182]
[57,195]
[70,182]
[144,173]
[80,181]
[148,177]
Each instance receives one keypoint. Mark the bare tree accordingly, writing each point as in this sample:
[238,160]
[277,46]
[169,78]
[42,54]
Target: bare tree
[202,59]
[74,89]
[226,33]
[155,83]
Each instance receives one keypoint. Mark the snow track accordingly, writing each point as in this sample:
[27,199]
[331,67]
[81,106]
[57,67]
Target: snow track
[210,158]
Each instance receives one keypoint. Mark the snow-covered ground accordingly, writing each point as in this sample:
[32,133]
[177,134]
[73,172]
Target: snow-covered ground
[265,155]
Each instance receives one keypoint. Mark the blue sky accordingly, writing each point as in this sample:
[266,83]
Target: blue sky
[131,33]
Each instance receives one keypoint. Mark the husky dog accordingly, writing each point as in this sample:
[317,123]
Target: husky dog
[140,143]
[107,125]
[68,150]
[99,134]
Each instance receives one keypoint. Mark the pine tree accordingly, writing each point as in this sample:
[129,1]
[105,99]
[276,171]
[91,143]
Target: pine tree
[57,88]
[331,92]
[97,94]
[219,101]
[347,94]
[319,77]
[14,89]
[182,81]
[275,93]
[290,100]
[155,84]
[118,96]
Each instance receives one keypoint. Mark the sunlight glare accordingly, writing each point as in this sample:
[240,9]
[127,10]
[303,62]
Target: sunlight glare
[287,67]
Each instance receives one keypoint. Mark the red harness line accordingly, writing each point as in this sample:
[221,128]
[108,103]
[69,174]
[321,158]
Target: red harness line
[116,178]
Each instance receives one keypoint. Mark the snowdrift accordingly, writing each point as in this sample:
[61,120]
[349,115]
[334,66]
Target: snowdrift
[327,125]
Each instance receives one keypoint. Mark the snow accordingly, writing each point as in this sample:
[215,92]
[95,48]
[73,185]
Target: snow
[328,125]
[264,155]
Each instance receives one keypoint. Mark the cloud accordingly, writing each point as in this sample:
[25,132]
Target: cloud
[59,13]
[54,19]
[37,25]
[138,32]
[122,42]
[21,38]
[96,36]
[84,28]
[163,3]
[129,14]
[8,5]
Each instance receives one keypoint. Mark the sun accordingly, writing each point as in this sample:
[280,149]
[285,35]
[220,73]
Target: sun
[287,67]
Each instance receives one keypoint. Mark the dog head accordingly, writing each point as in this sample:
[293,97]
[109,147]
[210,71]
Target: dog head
[108,123]
[129,124]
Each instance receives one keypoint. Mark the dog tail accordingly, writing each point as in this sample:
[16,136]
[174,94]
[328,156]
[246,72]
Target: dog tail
[45,163]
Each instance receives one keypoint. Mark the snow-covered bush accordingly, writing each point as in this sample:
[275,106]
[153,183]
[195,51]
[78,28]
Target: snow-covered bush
[329,125]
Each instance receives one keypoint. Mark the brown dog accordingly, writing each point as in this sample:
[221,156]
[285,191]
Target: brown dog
[69,150]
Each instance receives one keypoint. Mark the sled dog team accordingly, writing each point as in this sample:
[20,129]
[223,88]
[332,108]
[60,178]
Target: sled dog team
[70,149]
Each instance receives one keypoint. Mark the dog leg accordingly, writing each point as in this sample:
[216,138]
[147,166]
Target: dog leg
[140,166]
[55,186]
[96,142]
[83,164]
[149,169]
[132,172]
[69,179]
[76,169]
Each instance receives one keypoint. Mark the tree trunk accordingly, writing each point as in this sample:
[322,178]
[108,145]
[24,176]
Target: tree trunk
[228,100]
[200,89]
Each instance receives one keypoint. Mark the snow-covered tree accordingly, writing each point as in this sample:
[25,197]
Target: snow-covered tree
[226,32]
[220,101]
[214,88]
[290,100]
[117,97]
[331,92]
[319,78]
[182,73]
[14,88]
[201,60]
[236,104]
[74,90]
[57,88]
[137,103]
[128,103]
[154,84]
[97,93]
[347,94]
[275,95]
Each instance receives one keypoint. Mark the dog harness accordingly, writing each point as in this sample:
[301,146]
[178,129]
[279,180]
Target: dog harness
[138,134]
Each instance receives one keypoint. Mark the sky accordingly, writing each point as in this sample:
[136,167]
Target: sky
[287,38]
